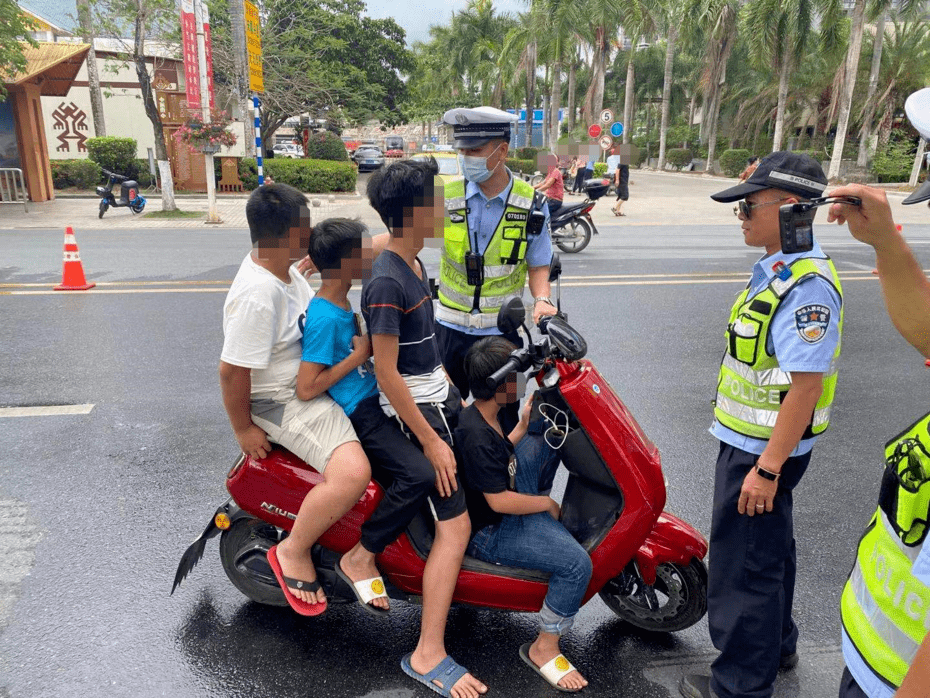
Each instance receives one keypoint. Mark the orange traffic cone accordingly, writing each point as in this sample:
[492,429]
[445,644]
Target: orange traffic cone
[72,273]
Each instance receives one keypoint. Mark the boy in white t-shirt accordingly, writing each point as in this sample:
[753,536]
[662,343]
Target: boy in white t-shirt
[263,322]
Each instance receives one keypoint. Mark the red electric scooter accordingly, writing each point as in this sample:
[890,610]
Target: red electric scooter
[648,565]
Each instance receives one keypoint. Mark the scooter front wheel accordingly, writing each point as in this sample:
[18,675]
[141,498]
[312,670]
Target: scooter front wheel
[676,601]
[103,209]
[581,232]
[243,550]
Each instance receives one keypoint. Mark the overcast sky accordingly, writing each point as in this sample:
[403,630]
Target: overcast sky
[416,16]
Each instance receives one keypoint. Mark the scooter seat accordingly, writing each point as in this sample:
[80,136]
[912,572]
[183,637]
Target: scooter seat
[420,532]
[569,210]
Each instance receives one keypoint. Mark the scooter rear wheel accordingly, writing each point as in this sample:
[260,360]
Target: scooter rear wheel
[676,601]
[581,232]
[243,549]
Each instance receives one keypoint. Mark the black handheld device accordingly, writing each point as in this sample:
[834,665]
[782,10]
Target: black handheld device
[796,222]
[537,218]
[474,268]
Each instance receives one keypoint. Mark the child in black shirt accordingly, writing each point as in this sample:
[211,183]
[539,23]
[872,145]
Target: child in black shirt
[515,523]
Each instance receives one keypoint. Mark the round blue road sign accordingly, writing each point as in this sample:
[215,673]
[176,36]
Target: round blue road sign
[616,129]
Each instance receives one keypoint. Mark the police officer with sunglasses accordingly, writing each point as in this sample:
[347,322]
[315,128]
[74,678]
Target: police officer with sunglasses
[774,391]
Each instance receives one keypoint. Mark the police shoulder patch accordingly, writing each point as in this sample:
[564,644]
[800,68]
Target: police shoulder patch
[456,218]
[812,322]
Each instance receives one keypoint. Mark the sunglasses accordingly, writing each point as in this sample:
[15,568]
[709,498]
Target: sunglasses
[745,208]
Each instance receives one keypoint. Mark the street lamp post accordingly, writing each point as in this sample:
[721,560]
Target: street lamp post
[212,214]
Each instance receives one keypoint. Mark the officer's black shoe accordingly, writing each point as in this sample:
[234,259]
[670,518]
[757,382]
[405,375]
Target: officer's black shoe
[695,686]
[788,661]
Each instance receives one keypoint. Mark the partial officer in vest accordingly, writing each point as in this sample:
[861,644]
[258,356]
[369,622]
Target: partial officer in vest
[774,392]
[496,240]
[885,605]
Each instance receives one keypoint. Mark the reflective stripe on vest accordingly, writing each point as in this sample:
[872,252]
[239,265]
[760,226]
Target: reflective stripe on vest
[885,608]
[751,386]
[505,265]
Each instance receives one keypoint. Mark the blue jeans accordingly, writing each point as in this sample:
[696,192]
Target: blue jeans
[539,542]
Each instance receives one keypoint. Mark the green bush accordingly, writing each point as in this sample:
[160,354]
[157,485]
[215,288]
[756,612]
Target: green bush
[310,176]
[681,134]
[732,162]
[522,166]
[600,169]
[526,153]
[143,176]
[115,154]
[83,174]
[325,145]
[679,157]
[894,163]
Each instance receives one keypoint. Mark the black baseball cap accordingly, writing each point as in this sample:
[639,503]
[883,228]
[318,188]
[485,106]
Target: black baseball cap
[922,193]
[796,173]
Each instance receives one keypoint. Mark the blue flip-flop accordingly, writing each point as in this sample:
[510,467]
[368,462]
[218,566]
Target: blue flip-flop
[448,672]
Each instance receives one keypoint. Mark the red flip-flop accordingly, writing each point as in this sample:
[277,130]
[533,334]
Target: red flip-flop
[299,606]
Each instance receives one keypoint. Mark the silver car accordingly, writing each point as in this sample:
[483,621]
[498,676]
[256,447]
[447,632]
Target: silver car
[368,157]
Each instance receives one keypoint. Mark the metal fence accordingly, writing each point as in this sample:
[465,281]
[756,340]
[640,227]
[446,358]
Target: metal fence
[13,187]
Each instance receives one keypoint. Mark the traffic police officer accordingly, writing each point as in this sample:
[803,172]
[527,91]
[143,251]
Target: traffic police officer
[774,392]
[496,239]
[885,606]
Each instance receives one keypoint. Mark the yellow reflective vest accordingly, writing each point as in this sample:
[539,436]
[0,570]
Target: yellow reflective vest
[505,265]
[884,607]
[751,386]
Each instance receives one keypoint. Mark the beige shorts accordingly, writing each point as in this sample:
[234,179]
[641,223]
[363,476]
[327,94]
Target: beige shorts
[310,429]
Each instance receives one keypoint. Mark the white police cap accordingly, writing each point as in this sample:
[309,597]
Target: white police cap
[917,108]
[472,128]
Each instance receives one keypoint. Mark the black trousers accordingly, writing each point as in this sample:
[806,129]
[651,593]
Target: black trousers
[453,345]
[751,577]
[849,688]
[399,466]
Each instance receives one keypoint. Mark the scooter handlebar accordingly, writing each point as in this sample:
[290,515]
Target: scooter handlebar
[514,363]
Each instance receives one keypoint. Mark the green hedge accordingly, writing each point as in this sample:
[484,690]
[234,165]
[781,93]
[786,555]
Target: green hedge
[679,157]
[83,174]
[894,163]
[522,166]
[115,154]
[309,176]
[600,169]
[325,145]
[732,162]
[526,153]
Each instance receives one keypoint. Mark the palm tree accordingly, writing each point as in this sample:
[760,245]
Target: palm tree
[672,14]
[559,19]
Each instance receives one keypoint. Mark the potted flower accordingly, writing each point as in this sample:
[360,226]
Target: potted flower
[197,134]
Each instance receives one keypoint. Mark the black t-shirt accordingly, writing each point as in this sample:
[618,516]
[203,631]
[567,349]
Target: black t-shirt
[395,301]
[487,464]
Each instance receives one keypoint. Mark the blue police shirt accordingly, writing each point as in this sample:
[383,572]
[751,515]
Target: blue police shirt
[483,217]
[794,352]
[328,337]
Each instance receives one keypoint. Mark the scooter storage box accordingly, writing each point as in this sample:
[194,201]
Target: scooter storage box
[596,188]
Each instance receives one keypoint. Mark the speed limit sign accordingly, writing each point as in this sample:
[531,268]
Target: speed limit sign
[607,116]
[605,142]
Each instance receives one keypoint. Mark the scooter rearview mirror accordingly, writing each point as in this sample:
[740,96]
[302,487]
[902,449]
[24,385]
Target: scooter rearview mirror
[555,267]
[511,315]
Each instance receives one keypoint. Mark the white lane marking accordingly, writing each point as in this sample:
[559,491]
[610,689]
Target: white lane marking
[45,411]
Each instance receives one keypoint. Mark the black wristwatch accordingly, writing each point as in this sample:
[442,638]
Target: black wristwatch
[767,474]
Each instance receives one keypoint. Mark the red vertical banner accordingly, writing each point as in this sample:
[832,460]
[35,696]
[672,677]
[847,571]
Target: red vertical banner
[189,47]
[208,52]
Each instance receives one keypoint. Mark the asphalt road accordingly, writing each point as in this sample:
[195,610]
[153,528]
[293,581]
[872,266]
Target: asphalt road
[96,509]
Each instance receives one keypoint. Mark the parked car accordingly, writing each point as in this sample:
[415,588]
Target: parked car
[288,150]
[368,157]
[448,164]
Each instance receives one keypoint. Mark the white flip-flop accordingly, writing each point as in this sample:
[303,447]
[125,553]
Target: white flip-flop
[365,591]
[552,671]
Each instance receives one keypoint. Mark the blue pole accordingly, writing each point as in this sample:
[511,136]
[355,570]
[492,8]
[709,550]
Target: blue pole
[258,141]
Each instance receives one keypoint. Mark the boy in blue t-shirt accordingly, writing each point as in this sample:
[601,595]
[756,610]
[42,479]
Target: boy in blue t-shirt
[337,358]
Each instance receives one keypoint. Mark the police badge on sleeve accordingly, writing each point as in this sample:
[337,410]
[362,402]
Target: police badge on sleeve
[812,322]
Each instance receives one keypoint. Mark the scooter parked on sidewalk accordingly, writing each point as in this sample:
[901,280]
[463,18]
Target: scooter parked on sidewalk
[128,195]
[648,564]
[571,226]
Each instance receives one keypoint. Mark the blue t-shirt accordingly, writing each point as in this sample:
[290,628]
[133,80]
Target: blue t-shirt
[328,337]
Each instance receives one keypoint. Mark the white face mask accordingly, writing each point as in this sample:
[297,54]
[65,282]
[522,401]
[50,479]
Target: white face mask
[475,167]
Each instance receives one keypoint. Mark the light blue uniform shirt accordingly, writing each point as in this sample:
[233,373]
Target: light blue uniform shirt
[869,681]
[793,351]
[483,217]
[612,163]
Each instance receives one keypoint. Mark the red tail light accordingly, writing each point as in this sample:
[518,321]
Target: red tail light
[586,210]
[132,194]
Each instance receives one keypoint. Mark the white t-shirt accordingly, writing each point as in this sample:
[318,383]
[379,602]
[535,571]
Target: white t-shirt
[263,326]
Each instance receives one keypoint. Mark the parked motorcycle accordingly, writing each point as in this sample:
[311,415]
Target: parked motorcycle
[128,195]
[647,564]
[571,226]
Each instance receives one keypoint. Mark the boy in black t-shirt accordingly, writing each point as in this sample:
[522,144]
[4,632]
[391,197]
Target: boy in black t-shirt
[515,523]
[398,309]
